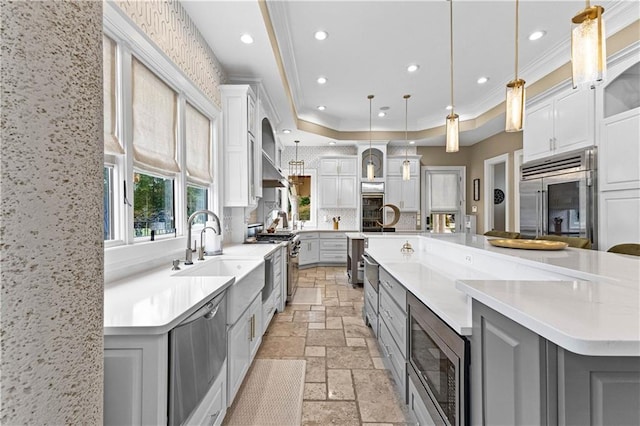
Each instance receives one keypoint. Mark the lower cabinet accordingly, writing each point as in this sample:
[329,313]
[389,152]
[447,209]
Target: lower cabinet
[309,249]
[214,406]
[244,338]
[518,377]
[333,248]
[392,336]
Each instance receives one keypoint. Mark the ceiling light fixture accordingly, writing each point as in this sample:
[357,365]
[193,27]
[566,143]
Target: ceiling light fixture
[452,143]
[246,38]
[382,114]
[321,35]
[296,169]
[332,142]
[321,107]
[321,80]
[483,80]
[536,35]
[406,165]
[413,68]
[588,47]
[412,142]
[515,95]
[370,168]
[286,131]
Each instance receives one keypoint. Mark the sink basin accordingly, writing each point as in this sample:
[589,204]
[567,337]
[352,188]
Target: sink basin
[219,267]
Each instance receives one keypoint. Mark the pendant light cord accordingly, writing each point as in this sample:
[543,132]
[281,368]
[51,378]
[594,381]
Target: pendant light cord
[406,114]
[370,98]
[451,45]
[517,21]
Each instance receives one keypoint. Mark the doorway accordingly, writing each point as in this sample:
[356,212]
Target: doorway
[497,204]
[443,198]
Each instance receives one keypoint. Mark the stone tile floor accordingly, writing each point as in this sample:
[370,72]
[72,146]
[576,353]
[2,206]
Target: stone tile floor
[345,381]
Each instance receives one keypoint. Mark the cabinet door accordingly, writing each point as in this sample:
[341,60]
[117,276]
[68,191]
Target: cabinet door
[329,166]
[618,217]
[238,357]
[619,151]
[255,313]
[509,370]
[348,166]
[411,194]
[393,193]
[573,120]
[537,138]
[394,166]
[328,192]
[347,192]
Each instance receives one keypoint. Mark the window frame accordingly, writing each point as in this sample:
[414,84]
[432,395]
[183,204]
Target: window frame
[131,41]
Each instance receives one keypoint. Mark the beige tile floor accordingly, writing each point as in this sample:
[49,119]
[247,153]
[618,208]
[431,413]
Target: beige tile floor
[345,381]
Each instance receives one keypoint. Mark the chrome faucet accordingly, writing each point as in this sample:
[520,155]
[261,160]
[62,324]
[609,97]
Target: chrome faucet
[188,256]
[201,250]
[294,216]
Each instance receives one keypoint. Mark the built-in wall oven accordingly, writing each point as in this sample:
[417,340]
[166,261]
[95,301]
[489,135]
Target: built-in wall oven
[372,206]
[438,365]
[197,351]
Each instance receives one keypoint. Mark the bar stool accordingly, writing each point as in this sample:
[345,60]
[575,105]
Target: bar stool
[502,234]
[627,248]
[577,242]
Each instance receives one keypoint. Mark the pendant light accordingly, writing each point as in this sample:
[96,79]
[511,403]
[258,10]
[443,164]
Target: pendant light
[515,94]
[406,166]
[370,168]
[588,47]
[296,169]
[452,144]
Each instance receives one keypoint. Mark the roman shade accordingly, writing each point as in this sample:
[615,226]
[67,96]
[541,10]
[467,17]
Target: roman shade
[198,142]
[111,143]
[154,122]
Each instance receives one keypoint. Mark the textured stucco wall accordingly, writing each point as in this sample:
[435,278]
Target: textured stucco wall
[51,266]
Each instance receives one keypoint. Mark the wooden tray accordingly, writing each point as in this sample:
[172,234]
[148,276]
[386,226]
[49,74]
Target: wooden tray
[528,244]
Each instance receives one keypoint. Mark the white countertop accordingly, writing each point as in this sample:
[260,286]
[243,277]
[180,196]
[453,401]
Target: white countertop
[589,303]
[155,301]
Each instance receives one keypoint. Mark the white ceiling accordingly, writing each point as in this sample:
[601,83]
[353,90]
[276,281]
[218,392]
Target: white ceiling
[371,43]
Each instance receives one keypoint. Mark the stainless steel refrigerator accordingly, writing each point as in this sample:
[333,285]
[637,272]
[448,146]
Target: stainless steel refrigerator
[558,196]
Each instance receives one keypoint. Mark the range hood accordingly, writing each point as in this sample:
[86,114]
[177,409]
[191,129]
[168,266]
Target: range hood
[272,176]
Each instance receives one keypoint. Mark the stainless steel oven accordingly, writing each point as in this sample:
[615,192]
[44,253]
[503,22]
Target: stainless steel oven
[269,284]
[197,351]
[438,365]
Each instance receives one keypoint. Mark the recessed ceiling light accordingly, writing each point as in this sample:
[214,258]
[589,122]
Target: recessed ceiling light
[412,142]
[536,35]
[483,80]
[449,107]
[321,107]
[332,143]
[321,80]
[413,68]
[321,35]
[286,131]
[246,38]
[382,114]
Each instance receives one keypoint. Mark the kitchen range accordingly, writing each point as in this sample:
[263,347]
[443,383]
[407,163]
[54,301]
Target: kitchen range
[293,249]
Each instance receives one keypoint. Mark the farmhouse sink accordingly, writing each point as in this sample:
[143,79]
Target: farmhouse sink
[220,266]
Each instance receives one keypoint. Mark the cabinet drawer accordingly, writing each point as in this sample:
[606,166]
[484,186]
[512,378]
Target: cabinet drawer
[394,288]
[333,235]
[417,406]
[395,319]
[212,409]
[333,257]
[333,244]
[304,236]
[395,359]
[372,316]
[371,296]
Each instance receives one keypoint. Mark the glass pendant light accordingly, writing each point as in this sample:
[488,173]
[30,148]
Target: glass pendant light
[370,168]
[452,144]
[515,95]
[406,165]
[588,47]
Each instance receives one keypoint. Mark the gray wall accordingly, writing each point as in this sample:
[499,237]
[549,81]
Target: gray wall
[51,268]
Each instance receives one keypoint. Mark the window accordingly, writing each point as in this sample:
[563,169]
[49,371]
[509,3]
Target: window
[153,207]
[197,199]
[108,197]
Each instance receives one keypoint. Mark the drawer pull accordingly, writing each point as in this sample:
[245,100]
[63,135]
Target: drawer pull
[214,416]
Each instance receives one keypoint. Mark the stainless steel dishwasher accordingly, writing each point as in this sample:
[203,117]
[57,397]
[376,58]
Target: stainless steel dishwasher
[197,351]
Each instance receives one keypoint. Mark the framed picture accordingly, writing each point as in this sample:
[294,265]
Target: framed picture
[476,190]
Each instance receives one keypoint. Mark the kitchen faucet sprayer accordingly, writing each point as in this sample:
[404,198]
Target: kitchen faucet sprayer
[189,253]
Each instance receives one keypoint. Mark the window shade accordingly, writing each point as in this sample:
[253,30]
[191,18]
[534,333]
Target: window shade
[198,141]
[111,142]
[443,189]
[154,121]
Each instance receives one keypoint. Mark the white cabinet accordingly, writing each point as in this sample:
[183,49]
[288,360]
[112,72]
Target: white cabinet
[242,176]
[244,338]
[333,247]
[405,194]
[559,123]
[338,182]
[309,249]
[618,116]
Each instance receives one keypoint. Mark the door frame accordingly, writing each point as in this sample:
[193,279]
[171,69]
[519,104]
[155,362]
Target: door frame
[489,164]
[462,170]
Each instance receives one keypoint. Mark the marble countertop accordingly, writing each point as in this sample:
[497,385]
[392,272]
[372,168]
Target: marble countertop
[585,301]
[155,301]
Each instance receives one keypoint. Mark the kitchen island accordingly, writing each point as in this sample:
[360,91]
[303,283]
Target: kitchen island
[550,333]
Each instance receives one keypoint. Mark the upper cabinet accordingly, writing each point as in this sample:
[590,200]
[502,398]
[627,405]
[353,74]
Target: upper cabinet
[558,123]
[338,182]
[241,149]
[405,194]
